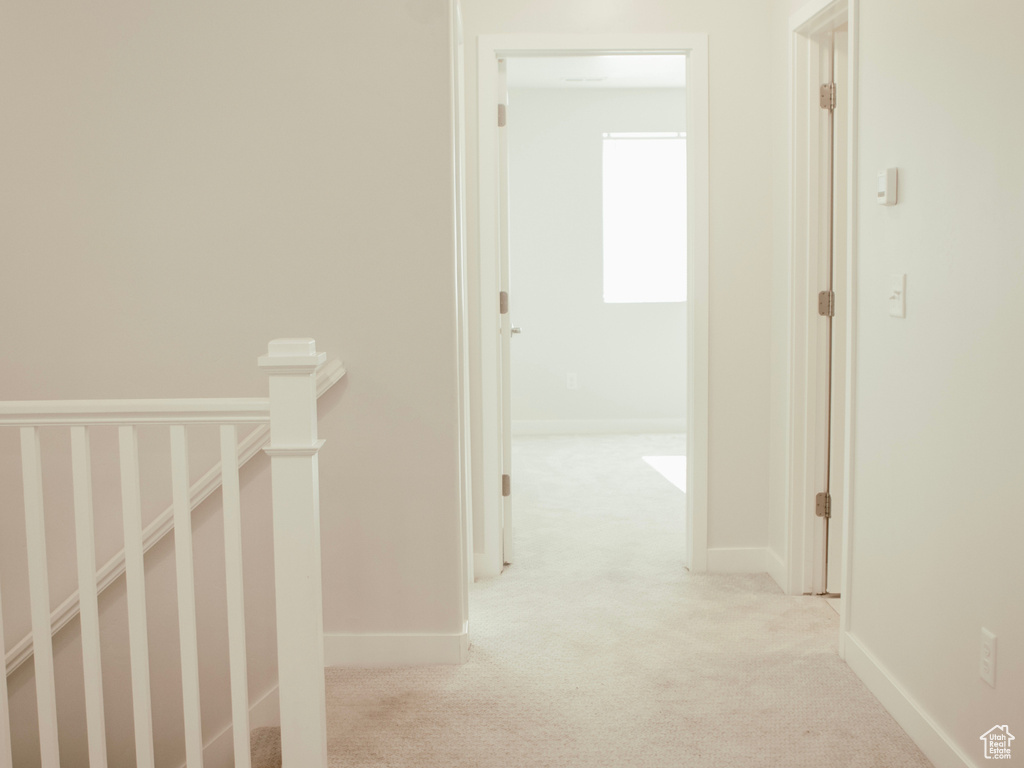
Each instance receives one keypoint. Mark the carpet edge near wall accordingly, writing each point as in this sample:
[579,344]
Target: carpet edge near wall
[935,743]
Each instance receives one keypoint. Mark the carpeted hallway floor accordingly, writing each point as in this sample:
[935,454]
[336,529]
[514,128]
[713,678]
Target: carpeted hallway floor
[597,648]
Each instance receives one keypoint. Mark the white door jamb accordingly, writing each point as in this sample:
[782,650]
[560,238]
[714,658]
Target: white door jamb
[806,137]
[695,47]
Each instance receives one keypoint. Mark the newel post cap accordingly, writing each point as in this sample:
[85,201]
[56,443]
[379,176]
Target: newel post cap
[292,355]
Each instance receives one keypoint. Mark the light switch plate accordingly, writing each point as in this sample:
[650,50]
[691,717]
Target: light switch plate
[898,295]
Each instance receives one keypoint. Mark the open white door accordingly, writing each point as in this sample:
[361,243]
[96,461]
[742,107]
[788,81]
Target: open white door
[507,543]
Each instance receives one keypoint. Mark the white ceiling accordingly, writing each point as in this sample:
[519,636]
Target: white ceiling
[622,71]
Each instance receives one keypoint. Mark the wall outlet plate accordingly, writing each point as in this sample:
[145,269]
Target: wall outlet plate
[987,665]
[898,295]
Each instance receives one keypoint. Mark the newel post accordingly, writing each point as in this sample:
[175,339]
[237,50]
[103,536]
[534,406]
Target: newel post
[294,468]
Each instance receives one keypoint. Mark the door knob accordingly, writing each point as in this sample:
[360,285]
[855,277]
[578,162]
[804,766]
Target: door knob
[516,329]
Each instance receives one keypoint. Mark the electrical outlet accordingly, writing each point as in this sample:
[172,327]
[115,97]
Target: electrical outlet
[987,667]
[571,382]
[898,295]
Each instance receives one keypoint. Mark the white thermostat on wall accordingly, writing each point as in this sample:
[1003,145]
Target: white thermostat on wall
[887,186]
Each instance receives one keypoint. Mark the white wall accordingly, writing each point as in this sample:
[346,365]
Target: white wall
[936,486]
[741,224]
[630,359]
[938,538]
[183,183]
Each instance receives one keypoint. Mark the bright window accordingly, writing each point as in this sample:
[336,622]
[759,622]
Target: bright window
[644,211]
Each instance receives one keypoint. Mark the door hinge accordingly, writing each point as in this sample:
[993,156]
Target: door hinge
[827,303]
[823,505]
[827,96]
[503,303]
[506,485]
[502,115]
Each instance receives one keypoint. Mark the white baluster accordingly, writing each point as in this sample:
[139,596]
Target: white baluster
[81,472]
[186,597]
[235,594]
[292,365]
[135,576]
[6,758]
[39,590]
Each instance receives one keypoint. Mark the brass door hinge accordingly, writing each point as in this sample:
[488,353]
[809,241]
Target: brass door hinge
[823,505]
[827,96]
[827,303]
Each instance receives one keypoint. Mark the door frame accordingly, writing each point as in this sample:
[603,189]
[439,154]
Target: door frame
[806,134]
[490,49]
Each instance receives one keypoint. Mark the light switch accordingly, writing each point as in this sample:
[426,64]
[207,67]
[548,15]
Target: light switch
[898,295]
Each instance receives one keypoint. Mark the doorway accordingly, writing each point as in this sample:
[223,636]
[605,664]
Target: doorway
[597,264]
[493,523]
[822,296]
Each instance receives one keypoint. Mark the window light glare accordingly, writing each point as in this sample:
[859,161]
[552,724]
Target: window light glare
[644,215]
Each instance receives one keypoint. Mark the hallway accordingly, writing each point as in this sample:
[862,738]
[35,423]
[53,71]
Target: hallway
[597,648]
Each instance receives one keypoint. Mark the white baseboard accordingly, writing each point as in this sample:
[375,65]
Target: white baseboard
[485,567]
[736,560]
[922,729]
[597,426]
[399,650]
[776,567]
[219,752]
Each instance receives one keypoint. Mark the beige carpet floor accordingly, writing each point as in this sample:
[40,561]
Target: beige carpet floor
[597,648]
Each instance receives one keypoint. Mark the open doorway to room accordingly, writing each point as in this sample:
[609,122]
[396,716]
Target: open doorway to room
[597,207]
[593,194]
[822,298]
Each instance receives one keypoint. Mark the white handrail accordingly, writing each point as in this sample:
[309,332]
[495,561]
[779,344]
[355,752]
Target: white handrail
[96,413]
[254,442]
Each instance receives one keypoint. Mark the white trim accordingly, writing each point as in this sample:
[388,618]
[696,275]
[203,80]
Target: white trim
[70,413]
[824,13]
[457,95]
[800,436]
[200,490]
[598,426]
[396,650]
[737,560]
[695,46]
[776,567]
[802,525]
[220,748]
[488,562]
[853,71]
[485,567]
[295,450]
[936,744]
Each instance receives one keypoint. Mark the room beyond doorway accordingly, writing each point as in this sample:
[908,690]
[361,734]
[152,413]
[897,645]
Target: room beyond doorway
[492,50]
[597,230]
[596,150]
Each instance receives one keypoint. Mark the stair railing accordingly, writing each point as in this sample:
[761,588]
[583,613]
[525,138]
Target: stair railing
[290,411]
